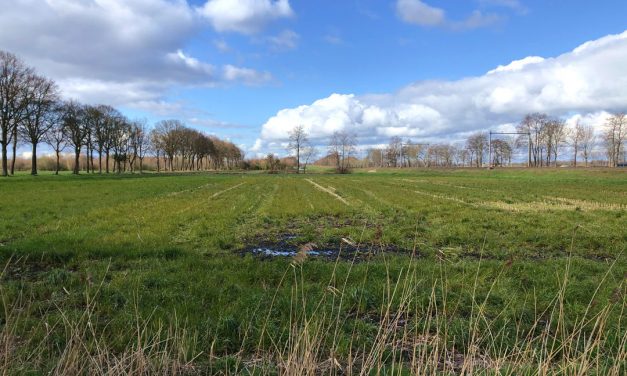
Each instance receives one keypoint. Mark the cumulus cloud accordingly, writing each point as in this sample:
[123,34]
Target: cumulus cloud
[420,13]
[586,81]
[244,16]
[121,52]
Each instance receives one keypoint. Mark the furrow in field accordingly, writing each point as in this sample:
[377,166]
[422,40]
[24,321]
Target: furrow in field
[330,191]
[226,190]
[215,195]
[190,189]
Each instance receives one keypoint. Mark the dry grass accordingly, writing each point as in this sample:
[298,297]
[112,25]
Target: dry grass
[412,337]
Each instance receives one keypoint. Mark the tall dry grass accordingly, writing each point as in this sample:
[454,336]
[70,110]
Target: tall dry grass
[412,337]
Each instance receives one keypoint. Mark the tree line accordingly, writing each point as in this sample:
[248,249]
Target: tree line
[541,140]
[32,112]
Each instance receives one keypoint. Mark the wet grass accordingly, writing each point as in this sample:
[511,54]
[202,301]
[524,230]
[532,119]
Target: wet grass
[157,259]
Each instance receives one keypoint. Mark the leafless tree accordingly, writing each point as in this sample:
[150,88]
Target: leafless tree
[614,136]
[555,133]
[75,129]
[55,136]
[141,142]
[156,142]
[104,119]
[535,125]
[309,154]
[342,147]
[575,136]
[394,152]
[501,153]
[298,140]
[586,142]
[15,79]
[170,139]
[39,115]
[120,143]
[477,144]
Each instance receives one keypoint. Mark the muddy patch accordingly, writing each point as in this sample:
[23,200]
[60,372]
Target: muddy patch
[347,250]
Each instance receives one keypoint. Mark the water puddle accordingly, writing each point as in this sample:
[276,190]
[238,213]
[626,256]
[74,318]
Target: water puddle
[278,252]
[286,248]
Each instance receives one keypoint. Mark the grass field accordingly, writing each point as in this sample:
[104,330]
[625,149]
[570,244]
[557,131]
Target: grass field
[420,272]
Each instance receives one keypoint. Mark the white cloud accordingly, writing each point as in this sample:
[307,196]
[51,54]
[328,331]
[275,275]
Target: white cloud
[244,16]
[120,52]
[420,13]
[587,81]
[417,12]
[517,65]
[245,75]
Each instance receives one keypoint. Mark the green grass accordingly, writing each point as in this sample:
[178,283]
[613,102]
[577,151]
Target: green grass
[496,253]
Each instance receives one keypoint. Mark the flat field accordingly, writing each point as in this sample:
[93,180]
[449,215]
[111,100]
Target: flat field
[404,272]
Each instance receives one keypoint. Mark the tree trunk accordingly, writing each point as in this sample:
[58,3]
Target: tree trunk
[298,160]
[4,152]
[87,158]
[100,161]
[107,160]
[14,151]
[33,165]
[56,172]
[77,155]
[91,160]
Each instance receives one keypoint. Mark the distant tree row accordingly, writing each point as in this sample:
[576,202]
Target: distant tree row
[541,140]
[32,112]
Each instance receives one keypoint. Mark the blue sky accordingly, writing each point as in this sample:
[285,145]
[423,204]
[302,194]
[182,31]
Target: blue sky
[228,67]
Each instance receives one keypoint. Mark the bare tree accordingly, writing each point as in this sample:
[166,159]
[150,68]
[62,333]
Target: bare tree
[104,120]
[586,142]
[170,139]
[477,144]
[535,125]
[501,153]
[75,129]
[554,137]
[141,142]
[156,142]
[40,115]
[14,82]
[614,137]
[575,136]
[342,148]
[55,136]
[309,154]
[299,139]
[120,138]
[394,152]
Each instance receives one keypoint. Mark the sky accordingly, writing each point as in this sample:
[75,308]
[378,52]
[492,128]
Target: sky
[251,70]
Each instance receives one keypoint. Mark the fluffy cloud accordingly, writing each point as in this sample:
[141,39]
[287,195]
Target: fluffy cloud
[122,52]
[244,16]
[420,13]
[587,81]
